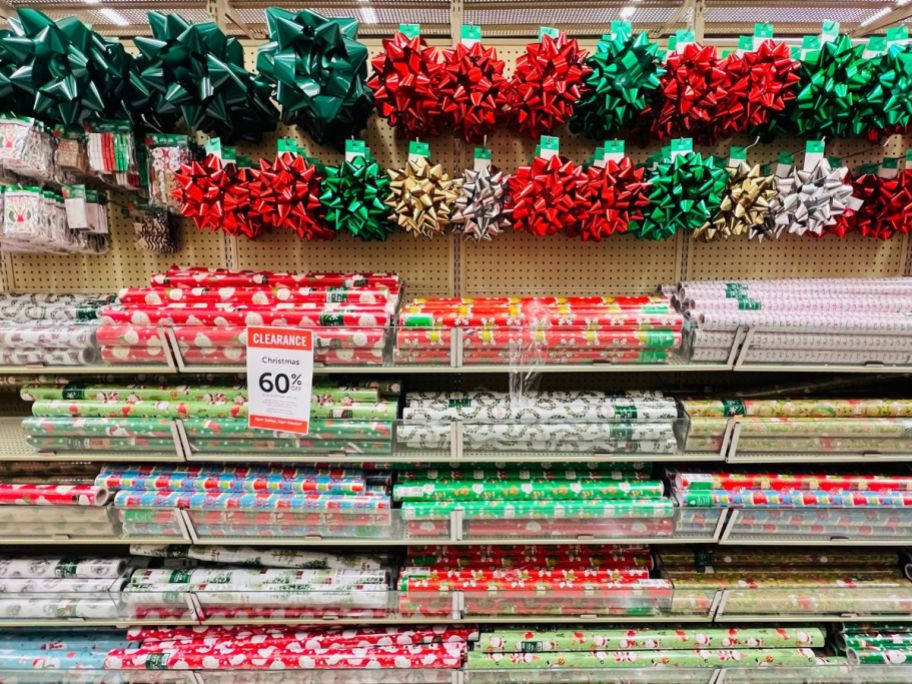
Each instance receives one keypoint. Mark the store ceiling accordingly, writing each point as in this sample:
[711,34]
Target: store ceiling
[723,19]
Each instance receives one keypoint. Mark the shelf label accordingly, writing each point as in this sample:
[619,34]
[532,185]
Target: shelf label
[279,378]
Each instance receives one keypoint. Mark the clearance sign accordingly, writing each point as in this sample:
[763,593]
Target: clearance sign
[279,378]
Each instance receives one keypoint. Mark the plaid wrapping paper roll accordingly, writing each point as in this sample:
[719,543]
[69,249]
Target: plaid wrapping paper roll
[800,408]
[600,659]
[52,495]
[648,639]
[506,489]
[540,509]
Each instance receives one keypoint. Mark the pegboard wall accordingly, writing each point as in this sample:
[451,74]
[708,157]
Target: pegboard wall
[510,264]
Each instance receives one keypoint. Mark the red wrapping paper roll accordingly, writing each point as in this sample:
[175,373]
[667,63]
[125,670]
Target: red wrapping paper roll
[128,355]
[235,355]
[200,336]
[251,296]
[200,276]
[193,315]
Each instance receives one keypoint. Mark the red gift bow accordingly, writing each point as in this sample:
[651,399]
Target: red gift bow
[610,198]
[473,90]
[405,80]
[887,207]
[543,197]
[287,197]
[546,85]
[218,196]
[692,90]
[759,85]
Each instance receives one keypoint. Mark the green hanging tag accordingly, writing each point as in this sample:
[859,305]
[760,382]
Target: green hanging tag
[549,146]
[809,44]
[355,148]
[681,146]
[875,46]
[737,154]
[214,147]
[229,155]
[868,169]
[613,150]
[419,150]
[672,43]
[813,154]
[410,30]
[889,167]
[621,29]
[898,35]
[469,34]
[482,159]
[908,159]
[829,31]
[745,44]
[284,145]
[683,39]
[762,32]
[784,163]
[548,31]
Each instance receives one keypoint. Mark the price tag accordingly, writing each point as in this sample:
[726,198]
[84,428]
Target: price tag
[745,44]
[549,31]
[613,151]
[784,163]
[736,154]
[683,39]
[410,30]
[279,378]
[889,167]
[762,32]
[829,31]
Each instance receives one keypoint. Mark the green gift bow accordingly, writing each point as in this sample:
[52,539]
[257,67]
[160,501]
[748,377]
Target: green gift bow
[317,70]
[686,193]
[625,75]
[834,82]
[196,72]
[354,194]
[62,71]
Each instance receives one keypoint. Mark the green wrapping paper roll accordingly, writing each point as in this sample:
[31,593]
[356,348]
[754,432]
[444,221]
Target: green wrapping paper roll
[547,508]
[630,659]
[101,444]
[290,446]
[77,391]
[883,642]
[518,489]
[320,428]
[647,639]
[171,409]
[64,426]
[803,408]
[886,657]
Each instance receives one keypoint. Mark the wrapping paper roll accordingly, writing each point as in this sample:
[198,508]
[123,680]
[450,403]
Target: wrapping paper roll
[74,337]
[810,498]
[80,391]
[524,338]
[86,568]
[65,426]
[542,509]
[52,495]
[704,657]
[801,408]
[115,355]
[201,276]
[553,436]
[338,316]
[507,489]
[101,444]
[36,356]
[255,296]
[716,558]
[190,336]
[320,428]
[250,502]
[785,481]
[648,639]
[825,356]
[592,471]
[146,337]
